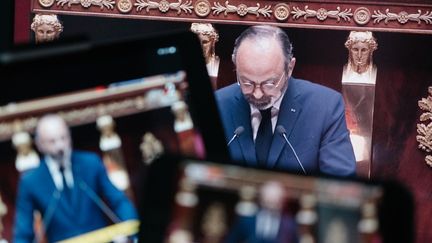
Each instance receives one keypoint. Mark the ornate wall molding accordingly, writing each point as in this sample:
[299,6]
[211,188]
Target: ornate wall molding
[374,16]
[424,129]
[164,6]
[402,17]
[322,13]
[241,9]
[85,107]
[109,4]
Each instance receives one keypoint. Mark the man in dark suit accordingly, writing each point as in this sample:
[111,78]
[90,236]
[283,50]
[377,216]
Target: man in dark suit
[269,224]
[287,123]
[67,189]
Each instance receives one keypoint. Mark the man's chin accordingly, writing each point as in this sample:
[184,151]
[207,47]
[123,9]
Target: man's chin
[60,156]
[57,157]
[259,104]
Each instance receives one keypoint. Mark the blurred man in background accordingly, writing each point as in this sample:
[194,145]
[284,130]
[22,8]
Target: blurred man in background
[67,189]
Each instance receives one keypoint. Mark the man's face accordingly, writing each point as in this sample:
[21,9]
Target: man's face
[261,71]
[272,196]
[54,139]
[360,53]
[45,33]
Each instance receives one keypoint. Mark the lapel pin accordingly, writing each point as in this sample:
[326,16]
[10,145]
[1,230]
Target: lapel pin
[293,110]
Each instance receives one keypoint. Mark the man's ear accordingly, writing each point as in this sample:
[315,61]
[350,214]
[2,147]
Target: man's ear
[291,66]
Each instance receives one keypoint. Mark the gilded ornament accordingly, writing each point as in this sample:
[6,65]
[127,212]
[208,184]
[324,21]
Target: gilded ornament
[424,129]
[163,6]
[362,16]
[202,8]
[402,17]
[86,3]
[124,6]
[241,9]
[46,3]
[281,11]
[109,4]
[322,14]
[429,160]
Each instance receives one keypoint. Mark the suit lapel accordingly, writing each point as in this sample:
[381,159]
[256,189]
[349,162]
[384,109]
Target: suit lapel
[288,114]
[241,117]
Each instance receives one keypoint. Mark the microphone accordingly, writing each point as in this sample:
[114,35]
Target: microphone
[239,130]
[98,201]
[281,130]
[46,220]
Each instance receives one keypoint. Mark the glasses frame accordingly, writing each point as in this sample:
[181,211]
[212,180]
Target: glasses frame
[254,85]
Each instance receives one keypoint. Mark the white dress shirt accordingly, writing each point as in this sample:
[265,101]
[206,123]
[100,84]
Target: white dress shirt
[54,169]
[267,224]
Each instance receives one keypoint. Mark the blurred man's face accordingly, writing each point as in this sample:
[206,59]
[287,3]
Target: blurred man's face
[272,196]
[53,138]
[45,33]
[261,71]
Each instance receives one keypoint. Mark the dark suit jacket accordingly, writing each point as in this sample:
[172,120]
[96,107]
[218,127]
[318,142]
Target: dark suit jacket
[65,219]
[244,230]
[314,119]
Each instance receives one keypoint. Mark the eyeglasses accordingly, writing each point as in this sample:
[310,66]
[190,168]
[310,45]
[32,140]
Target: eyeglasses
[266,86]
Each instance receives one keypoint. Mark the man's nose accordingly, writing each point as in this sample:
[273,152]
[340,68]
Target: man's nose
[258,92]
[60,145]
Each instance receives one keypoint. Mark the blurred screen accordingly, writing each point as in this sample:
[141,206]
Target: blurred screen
[128,124]
[222,203]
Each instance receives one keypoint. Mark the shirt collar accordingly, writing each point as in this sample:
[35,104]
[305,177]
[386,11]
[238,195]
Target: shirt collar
[54,169]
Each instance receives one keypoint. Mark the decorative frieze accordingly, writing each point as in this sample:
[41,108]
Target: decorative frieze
[109,4]
[322,13]
[402,17]
[334,15]
[241,9]
[281,11]
[424,129]
[164,6]
[362,16]
[124,6]
[202,8]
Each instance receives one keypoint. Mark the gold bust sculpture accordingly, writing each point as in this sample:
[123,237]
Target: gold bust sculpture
[208,37]
[47,27]
[27,158]
[360,67]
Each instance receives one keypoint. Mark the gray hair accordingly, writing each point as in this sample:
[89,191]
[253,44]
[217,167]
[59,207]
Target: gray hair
[265,31]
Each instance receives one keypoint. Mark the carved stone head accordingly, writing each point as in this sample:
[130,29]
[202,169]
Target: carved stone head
[208,37]
[361,45]
[46,27]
